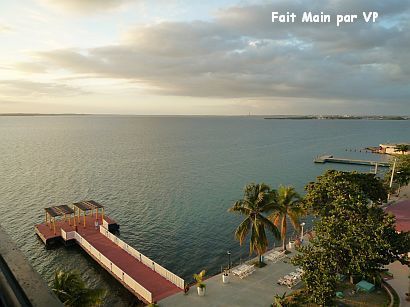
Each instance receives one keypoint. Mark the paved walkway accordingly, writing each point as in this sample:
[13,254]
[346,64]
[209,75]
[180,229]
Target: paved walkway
[257,289]
[401,281]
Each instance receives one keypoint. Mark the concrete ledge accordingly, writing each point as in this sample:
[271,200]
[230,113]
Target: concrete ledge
[20,285]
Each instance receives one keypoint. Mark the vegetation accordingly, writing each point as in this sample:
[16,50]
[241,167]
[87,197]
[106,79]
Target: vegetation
[199,278]
[72,290]
[403,148]
[333,185]
[280,300]
[402,171]
[354,236]
[258,200]
[287,206]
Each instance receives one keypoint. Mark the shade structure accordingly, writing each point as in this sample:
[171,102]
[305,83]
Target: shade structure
[57,211]
[84,207]
[365,286]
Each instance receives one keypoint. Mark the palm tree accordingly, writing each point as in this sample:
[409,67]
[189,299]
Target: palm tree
[288,205]
[257,199]
[72,290]
[402,147]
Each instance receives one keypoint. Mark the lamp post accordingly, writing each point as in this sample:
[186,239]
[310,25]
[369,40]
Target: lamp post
[392,173]
[229,260]
[391,178]
[301,233]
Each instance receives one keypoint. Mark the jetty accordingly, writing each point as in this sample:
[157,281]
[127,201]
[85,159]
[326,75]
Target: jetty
[331,159]
[84,223]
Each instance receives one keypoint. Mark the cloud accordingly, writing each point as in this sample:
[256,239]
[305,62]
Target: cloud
[31,67]
[84,6]
[4,28]
[22,88]
[240,53]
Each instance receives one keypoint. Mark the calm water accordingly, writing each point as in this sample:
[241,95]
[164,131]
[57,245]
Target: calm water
[167,180]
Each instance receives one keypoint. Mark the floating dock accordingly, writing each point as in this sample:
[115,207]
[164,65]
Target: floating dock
[331,159]
[82,224]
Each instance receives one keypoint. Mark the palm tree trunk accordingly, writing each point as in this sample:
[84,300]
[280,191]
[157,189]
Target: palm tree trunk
[284,243]
[283,232]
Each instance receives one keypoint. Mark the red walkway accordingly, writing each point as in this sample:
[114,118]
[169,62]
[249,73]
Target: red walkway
[149,279]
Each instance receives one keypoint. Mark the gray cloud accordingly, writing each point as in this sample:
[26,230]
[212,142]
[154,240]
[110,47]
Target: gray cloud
[242,54]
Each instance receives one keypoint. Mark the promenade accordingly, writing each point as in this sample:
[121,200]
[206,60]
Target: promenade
[257,289]
[401,281]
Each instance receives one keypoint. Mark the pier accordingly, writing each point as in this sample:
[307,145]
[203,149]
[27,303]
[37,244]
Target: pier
[86,225]
[331,159]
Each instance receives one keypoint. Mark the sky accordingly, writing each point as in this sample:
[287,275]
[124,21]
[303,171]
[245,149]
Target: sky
[226,57]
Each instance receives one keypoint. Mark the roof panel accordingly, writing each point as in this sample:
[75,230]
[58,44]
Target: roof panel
[59,210]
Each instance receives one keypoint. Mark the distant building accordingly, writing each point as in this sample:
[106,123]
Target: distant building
[391,149]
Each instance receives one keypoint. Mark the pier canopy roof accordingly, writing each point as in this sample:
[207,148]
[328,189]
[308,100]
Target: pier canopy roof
[88,205]
[55,211]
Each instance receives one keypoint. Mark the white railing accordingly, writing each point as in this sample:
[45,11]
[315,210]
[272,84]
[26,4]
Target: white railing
[63,234]
[175,279]
[115,270]
[67,235]
[105,224]
[70,235]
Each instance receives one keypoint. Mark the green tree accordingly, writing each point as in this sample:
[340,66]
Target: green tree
[403,148]
[287,206]
[333,185]
[257,200]
[402,170]
[319,274]
[354,239]
[72,290]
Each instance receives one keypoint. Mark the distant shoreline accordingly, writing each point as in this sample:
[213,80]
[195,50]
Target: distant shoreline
[293,117]
[342,117]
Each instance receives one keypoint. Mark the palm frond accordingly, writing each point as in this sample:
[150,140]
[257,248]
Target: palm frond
[294,219]
[243,229]
[265,222]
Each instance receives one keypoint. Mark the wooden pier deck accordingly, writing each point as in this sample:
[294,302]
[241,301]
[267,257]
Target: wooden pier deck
[331,159]
[146,279]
